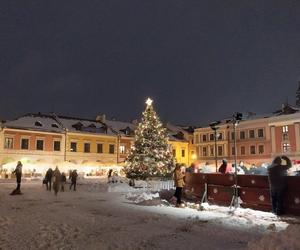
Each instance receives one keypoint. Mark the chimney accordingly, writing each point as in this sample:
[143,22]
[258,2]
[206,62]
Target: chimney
[101,118]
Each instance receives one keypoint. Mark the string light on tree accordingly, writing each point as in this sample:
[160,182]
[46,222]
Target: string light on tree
[150,156]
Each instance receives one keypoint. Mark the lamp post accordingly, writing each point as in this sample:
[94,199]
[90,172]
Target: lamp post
[214,127]
[237,117]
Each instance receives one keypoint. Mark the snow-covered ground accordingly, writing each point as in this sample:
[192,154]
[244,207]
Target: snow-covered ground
[115,216]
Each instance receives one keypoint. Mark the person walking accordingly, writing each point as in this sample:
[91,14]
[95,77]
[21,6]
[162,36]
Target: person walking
[18,173]
[73,179]
[277,173]
[48,178]
[56,180]
[179,184]
[63,182]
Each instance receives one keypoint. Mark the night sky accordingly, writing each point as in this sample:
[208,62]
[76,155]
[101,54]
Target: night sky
[199,60]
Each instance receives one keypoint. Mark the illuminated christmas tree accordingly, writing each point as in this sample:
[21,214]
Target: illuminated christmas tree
[150,155]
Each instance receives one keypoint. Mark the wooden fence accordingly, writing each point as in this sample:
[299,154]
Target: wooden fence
[253,190]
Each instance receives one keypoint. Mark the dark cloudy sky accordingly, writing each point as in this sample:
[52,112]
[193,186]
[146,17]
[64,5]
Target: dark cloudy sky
[198,60]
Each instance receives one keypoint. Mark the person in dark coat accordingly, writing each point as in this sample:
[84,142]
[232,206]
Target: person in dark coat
[277,173]
[48,178]
[225,168]
[63,181]
[109,175]
[73,179]
[18,173]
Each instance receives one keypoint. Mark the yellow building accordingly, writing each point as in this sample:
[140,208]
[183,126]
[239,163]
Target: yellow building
[182,144]
[89,141]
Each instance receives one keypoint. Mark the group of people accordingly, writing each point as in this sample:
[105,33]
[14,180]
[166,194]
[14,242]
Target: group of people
[59,180]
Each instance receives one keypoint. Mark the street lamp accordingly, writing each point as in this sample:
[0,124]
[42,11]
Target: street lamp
[214,127]
[237,117]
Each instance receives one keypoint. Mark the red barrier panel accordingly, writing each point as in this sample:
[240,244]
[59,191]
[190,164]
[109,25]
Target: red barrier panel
[220,179]
[253,190]
[195,186]
[219,195]
[256,181]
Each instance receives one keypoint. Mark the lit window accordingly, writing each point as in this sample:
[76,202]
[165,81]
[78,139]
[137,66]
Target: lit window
[286,147]
[8,143]
[285,129]
[122,149]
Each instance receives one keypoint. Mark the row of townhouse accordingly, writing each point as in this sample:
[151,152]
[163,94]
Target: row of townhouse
[49,138]
[258,138]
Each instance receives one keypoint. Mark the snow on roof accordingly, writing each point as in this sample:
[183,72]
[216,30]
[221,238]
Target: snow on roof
[81,125]
[38,122]
[119,126]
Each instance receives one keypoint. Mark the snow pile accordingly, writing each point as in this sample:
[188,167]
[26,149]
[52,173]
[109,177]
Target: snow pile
[286,239]
[141,197]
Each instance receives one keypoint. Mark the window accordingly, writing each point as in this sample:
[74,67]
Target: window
[252,150]
[24,143]
[260,133]
[285,137]
[211,150]
[261,149]
[233,150]
[39,144]
[174,152]
[122,149]
[220,136]
[87,147]
[111,148]
[182,153]
[73,147]
[243,150]
[99,148]
[211,137]
[8,143]
[204,138]
[56,146]
[286,147]
[285,129]
[251,133]
[242,135]
[232,135]
[38,124]
[220,150]
[204,151]
[54,125]
[192,141]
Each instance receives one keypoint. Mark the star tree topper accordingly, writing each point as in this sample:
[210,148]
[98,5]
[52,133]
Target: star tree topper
[149,101]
